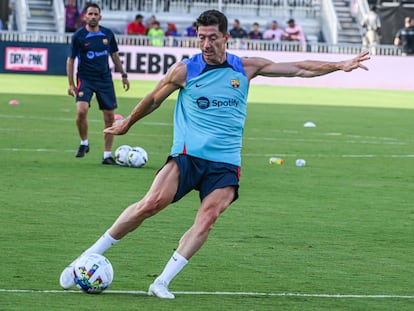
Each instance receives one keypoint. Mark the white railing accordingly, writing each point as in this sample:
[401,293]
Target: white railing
[23,14]
[59,11]
[329,22]
[262,45]
[259,8]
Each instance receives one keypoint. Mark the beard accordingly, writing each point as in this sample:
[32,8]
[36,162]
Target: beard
[92,23]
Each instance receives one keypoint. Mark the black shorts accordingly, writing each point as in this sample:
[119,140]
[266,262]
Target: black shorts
[204,176]
[103,89]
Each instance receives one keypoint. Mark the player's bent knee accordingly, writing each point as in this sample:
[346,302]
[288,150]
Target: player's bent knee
[151,206]
[207,219]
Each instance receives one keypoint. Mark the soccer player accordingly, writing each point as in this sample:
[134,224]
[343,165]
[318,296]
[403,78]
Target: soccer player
[208,127]
[91,46]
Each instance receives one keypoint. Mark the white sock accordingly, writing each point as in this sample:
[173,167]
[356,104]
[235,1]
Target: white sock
[84,142]
[101,245]
[173,267]
[107,154]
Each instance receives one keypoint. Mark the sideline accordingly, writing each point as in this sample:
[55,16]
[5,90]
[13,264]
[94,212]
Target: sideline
[140,292]
[289,155]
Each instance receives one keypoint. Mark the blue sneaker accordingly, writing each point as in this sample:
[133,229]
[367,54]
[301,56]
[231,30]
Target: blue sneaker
[82,150]
[109,161]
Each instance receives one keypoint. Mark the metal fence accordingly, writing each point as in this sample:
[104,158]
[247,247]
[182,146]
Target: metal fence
[239,44]
[259,8]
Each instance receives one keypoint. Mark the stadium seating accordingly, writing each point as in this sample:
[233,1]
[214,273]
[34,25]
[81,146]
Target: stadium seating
[117,14]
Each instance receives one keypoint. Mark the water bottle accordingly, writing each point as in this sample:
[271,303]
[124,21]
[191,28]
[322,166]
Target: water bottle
[300,162]
[277,161]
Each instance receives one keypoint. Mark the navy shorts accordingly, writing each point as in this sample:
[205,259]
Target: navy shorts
[204,176]
[103,89]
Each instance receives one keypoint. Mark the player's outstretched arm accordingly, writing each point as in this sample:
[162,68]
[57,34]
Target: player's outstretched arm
[354,63]
[307,69]
[173,80]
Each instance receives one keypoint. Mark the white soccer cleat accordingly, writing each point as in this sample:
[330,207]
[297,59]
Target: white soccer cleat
[67,277]
[160,289]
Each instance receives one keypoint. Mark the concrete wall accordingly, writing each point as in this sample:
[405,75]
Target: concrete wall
[385,72]
[151,63]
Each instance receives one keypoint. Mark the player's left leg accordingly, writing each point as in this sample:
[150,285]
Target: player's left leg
[211,207]
[108,116]
[106,98]
[84,93]
[82,108]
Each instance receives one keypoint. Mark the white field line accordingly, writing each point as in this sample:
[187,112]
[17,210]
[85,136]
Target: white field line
[139,292]
[348,139]
[357,139]
[377,141]
[290,155]
[72,119]
[287,155]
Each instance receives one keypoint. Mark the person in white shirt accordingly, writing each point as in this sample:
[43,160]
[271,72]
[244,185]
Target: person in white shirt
[372,29]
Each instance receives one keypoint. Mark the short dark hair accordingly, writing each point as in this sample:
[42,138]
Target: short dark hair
[211,18]
[138,16]
[91,5]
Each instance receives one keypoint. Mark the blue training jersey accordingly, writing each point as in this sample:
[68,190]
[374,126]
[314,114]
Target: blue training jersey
[92,50]
[211,110]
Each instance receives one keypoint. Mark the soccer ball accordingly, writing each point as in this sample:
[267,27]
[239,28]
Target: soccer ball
[93,273]
[121,155]
[137,157]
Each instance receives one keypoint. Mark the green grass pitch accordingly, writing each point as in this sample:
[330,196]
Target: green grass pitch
[336,234]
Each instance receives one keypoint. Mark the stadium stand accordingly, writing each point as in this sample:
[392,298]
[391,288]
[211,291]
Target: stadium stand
[317,17]
[183,13]
[34,15]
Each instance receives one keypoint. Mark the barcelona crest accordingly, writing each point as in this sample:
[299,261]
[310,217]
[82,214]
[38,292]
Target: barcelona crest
[235,83]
